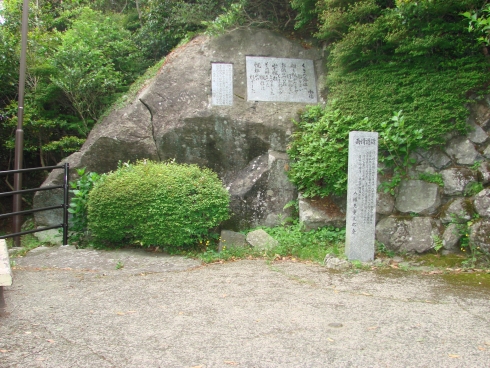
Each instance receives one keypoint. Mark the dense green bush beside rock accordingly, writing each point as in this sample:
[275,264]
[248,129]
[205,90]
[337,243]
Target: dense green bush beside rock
[151,203]
[385,57]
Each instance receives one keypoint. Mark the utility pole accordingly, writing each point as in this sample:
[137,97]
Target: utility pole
[19,133]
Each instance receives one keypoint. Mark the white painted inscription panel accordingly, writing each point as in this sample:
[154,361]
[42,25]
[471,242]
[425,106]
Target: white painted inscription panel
[222,84]
[361,195]
[280,79]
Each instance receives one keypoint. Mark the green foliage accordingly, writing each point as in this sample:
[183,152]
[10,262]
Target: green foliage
[311,245]
[398,140]
[235,16]
[156,204]
[307,14]
[293,243]
[472,189]
[479,22]
[432,178]
[412,56]
[95,59]
[381,249]
[319,150]
[79,204]
[164,23]
[438,243]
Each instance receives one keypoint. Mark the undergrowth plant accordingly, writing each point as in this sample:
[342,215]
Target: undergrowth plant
[79,204]
[293,241]
[432,178]
[474,254]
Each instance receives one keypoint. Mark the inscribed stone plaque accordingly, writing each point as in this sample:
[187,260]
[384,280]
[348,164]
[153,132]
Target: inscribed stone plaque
[361,196]
[279,79]
[222,84]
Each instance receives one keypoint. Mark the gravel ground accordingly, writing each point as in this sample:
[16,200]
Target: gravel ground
[74,308]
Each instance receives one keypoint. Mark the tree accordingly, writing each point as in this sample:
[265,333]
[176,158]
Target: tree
[95,60]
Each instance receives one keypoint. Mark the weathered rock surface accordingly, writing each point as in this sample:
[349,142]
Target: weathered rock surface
[462,151]
[457,210]
[261,240]
[385,203]
[476,133]
[173,118]
[456,179]
[484,172]
[480,235]
[451,238]
[335,263]
[408,234]
[435,157]
[482,203]
[232,239]
[418,196]
[318,212]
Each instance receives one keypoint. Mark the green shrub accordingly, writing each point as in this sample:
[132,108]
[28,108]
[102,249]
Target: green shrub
[156,204]
[319,150]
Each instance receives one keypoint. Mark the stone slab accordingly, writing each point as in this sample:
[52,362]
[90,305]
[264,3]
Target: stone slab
[361,196]
[280,79]
[222,84]
[5,270]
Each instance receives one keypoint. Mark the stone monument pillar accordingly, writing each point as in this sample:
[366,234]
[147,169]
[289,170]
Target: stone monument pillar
[361,196]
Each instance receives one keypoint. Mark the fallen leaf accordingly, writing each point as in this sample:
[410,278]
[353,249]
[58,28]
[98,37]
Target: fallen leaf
[367,294]
[329,339]
[230,362]
[28,332]
[372,328]
[224,295]
[120,313]
[49,340]
[453,355]
[487,343]
[40,359]
[3,351]
[481,348]
[436,272]
[180,313]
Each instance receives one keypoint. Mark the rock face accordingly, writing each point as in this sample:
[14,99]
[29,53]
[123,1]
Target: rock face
[318,212]
[408,234]
[418,196]
[173,118]
[259,239]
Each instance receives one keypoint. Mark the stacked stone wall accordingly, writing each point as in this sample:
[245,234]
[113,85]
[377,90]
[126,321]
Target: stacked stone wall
[421,215]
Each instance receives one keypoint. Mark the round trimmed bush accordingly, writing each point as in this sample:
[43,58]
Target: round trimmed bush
[156,203]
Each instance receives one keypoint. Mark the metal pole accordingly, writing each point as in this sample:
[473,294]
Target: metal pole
[65,204]
[19,133]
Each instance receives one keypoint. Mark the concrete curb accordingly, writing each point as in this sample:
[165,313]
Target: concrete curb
[5,270]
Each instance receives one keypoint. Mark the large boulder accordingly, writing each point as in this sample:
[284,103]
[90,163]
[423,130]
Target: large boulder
[406,234]
[173,117]
[418,196]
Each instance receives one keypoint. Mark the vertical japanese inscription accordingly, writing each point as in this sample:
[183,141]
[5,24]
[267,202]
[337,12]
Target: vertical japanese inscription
[361,195]
[280,79]
[222,84]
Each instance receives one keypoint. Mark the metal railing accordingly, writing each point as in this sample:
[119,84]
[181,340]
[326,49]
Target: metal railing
[63,206]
